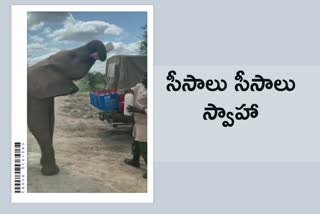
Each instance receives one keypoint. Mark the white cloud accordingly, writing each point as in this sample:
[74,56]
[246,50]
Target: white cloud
[74,30]
[36,26]
[47,30]
[36,47]
[36,18]
[125,49]
[37,39]
[113,30]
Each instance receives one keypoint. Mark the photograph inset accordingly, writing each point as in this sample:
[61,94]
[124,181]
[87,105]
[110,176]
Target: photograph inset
[87,102]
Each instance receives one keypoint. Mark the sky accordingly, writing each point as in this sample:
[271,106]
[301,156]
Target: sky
[50,32]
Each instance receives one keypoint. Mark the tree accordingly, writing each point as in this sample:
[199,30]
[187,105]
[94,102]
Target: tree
[144,42]
[92,80]
[91,77]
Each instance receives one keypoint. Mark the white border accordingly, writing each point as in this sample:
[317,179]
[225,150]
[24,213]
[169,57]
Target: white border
[19,103]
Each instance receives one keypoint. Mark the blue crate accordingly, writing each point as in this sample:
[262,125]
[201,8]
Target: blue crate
[104,102]
[92,98]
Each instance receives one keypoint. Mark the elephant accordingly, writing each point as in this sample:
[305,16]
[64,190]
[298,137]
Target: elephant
[48,79]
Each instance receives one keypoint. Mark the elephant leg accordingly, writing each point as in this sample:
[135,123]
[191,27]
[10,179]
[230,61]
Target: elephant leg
[40,123]
[51,121]
[51,116]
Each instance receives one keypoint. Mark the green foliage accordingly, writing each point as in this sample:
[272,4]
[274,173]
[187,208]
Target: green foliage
[91,81]
[91,78]
[143,44]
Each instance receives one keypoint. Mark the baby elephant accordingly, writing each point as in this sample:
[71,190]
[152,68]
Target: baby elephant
[50,78]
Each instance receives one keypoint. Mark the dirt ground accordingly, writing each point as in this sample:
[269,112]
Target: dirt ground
[89,153]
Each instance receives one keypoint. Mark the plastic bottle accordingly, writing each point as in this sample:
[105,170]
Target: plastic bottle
[128,100]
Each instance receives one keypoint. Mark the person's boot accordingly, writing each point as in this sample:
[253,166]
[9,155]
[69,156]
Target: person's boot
[145,175]
[133,162]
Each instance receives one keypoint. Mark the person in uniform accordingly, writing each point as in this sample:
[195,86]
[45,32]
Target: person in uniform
[139,109]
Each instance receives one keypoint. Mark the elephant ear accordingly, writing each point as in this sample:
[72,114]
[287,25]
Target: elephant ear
[48,81]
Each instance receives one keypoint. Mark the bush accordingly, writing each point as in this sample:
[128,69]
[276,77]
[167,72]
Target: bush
[91,81]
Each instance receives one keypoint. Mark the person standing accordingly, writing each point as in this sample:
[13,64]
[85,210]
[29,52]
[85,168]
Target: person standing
[139,109]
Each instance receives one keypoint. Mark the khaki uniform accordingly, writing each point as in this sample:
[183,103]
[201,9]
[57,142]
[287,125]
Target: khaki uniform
[139,146]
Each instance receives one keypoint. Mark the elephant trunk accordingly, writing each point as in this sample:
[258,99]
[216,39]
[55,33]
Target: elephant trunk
[97,50]
[88,54]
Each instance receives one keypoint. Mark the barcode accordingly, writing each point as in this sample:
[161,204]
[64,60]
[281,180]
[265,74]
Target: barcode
[17,167]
